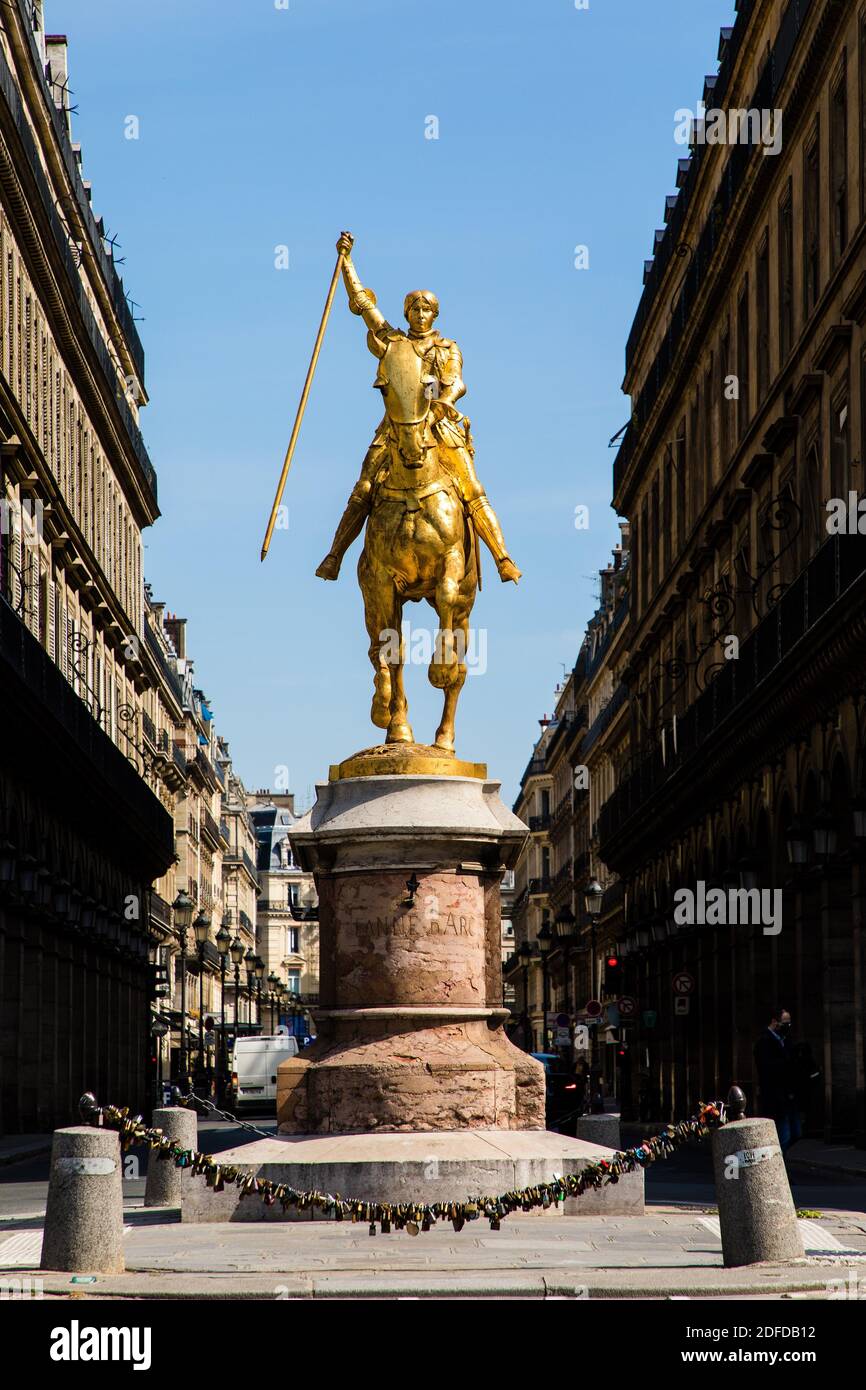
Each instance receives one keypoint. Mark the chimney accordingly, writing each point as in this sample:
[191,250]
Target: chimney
[176,629]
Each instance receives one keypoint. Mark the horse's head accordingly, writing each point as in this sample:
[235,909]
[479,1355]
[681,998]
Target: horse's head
[413,441]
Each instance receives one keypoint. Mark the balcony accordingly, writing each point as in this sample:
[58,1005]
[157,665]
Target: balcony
[172,679]
[604,718]
[539,824]
[755,704]
[539,887]
[235,857]
[32,163]
[49,728]
[160,912]
[149,728]
[210,829]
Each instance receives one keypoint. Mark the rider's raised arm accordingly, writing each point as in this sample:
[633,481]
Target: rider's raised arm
[361,301]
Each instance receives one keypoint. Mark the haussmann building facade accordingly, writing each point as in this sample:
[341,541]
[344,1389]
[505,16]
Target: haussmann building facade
[746,368]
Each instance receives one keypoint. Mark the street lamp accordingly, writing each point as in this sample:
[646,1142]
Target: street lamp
[825,833]
[544,936]
[250,967]
[797,842]
[236,951]
[223,942]
[272,996]
[201,927]
[593,895]
[260,975]
[182,909]
[525,955]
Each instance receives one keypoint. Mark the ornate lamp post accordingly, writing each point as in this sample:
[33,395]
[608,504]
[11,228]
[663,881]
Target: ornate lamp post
[593,894]
[201,927]
[223,942]
[182,912]
[260,974]
[250,967]
[236,951]
[272,995]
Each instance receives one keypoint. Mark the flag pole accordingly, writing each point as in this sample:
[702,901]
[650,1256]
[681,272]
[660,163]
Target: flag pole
[302,405]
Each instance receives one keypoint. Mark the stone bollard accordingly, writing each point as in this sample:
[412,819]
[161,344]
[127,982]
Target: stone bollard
[600,1129]
[84,1214]
[756,1209]
[163,1186]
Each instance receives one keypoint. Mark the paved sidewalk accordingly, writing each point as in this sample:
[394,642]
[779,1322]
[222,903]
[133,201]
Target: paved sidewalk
[664,1254]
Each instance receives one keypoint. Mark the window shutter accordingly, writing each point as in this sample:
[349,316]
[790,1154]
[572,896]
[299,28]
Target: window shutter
[52,619]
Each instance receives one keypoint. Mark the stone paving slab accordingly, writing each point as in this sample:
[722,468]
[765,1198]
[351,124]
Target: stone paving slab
[663,1254]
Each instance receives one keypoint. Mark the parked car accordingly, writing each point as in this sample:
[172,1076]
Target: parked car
[253,1085]
[565,1095]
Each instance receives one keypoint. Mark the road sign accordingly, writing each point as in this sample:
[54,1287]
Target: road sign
[684,983]
[648,1018]
[627,1006]
[681,1004]
[593,1008]
[562,1037]
[562,1021]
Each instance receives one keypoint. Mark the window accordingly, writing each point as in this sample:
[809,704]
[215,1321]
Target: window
[743,359]
[863,114]
[668,512]
[654,558]
[839,165]
[812,225]
[294,981]
[292,941]
[722,397]
[786,275]
[762,291]
[708,471]
[680,464]
[839,447]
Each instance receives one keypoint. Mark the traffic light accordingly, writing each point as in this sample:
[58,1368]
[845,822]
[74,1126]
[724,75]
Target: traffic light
[612,975]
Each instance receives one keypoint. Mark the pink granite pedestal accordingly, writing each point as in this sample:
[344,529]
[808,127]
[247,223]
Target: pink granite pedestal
[410,1033]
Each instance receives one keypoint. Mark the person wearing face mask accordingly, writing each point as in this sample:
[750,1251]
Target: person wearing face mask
[776,1081]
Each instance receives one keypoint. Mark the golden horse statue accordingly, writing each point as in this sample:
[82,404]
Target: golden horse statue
[423,506]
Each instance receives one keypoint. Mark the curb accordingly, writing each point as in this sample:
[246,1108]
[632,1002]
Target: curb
[772,1281]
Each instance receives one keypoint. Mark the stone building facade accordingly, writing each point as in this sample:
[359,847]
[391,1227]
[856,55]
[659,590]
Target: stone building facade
[82,834]
[288,909]
[746,367]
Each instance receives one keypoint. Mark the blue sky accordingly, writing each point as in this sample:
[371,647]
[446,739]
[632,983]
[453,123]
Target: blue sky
[262,127]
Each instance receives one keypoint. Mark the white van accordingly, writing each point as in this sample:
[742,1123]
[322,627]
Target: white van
[254,1071]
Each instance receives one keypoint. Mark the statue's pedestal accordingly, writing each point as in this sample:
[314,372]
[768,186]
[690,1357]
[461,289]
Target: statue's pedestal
[410,1024]
[411,1092]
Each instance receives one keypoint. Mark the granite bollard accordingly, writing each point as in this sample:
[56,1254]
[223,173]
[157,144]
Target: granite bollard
[600,1129]
[84,1214]
[756,1210]
[163,1186]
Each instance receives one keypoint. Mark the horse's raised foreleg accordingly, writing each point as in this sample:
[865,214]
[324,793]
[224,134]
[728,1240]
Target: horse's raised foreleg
[383,615]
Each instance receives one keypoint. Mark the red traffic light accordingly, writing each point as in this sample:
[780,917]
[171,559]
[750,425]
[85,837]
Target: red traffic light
[613,962]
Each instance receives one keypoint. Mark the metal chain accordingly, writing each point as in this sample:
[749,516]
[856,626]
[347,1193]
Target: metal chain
[191,1101]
